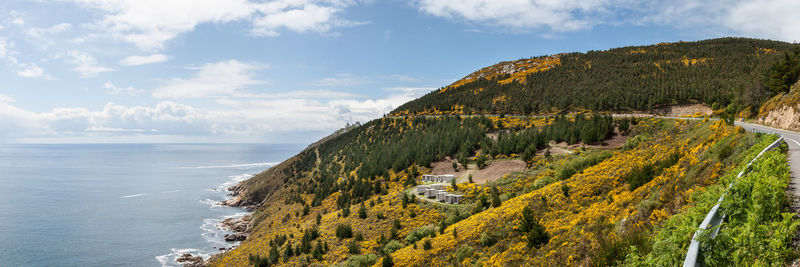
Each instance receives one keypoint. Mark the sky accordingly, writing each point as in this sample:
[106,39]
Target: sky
[293,71]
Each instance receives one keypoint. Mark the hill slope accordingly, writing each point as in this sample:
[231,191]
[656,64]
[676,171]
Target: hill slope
[349,199]
[715,72]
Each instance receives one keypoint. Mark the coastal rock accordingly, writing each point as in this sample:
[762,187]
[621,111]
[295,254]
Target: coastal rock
[239,225]
[235,237]
[232,202]
[191,261]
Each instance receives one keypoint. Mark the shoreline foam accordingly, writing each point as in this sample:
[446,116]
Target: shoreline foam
[214,229]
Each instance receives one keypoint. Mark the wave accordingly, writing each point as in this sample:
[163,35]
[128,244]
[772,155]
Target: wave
[136,195]
[210,202]
[244,165]
[171,259]
[212,230]
[234,179]
[214,233]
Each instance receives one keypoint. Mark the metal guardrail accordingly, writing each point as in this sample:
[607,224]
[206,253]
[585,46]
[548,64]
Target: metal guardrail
[714,217]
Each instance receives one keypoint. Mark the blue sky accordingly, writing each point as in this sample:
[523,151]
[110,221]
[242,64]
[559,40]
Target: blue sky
[292,71]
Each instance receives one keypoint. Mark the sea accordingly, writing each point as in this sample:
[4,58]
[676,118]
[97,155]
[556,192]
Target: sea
[121,204]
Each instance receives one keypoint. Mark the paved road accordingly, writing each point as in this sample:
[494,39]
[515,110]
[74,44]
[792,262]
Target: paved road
[793,140]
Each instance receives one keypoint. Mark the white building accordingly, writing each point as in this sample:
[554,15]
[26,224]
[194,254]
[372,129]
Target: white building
[444,178]
[421,189]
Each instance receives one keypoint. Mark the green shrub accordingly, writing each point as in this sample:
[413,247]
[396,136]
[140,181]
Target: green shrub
[387,261]
[463,252]
[487,239]
[534,232]
[542,182]
[344,231]
[360,261]
[362,212]
[353,247]
[418,233]
[392,246]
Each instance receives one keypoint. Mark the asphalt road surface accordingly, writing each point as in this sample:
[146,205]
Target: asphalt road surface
[793,140]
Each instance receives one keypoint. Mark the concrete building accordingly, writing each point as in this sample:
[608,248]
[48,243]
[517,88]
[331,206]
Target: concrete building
[444,178]
[440,195]
[430,193]
[421,189]
[455,199]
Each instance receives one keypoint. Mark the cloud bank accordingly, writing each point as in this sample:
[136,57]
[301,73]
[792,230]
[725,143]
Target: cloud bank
[773,19]
[234,117]
[150,24]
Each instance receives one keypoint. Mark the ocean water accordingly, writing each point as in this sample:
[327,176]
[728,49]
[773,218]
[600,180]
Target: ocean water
[120,205]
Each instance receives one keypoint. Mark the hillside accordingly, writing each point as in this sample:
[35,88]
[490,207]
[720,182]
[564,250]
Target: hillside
[594,190]
[716,72]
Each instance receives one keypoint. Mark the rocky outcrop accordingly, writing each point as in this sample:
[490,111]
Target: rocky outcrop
[191,261]
[783,110]
[239,225]
[235,237]
[786,117]
[238,198]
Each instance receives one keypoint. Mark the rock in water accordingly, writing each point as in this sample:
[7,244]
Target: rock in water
[191,261]
[235,237]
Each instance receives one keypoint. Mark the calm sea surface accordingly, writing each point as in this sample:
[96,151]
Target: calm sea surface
[129,205]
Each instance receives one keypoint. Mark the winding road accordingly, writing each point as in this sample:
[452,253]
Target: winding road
[793,140]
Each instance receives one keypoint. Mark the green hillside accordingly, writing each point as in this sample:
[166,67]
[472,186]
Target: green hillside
[715,72]
[581,188]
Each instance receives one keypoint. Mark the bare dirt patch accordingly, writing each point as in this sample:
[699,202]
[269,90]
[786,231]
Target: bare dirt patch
[446,167]
[493,171]
[616,141]
[683,110]
[497,169]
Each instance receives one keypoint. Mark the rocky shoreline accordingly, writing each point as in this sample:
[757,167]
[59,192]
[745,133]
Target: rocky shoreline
[240,226]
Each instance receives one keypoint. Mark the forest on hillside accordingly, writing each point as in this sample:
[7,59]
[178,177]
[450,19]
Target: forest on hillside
[358,163]
[719,72]
[636,205]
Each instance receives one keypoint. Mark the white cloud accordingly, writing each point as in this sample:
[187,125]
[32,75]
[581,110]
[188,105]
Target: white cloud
[235,118]
[18,21]
[30,71]
[766,18]
[314,94]
[300,16]
[341,80]
[85,64]
[45,32]
[142,60]
[212,79]
[6,99]
[149,24]
[560,15]
[403,78]
[3,47]
[17,122]
[116,90]
[45,36]
[775,19]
